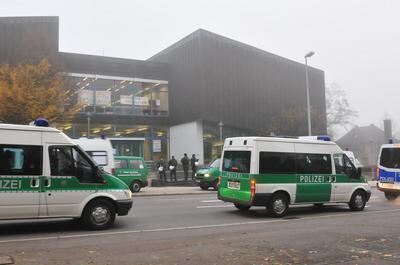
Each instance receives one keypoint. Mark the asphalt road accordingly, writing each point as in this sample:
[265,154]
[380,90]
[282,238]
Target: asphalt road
[199,229]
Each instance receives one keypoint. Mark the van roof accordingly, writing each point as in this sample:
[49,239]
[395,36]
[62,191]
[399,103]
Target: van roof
[278,139]
[5,126]
[390,146]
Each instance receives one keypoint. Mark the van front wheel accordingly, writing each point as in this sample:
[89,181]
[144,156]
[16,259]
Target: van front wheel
[278,205]
[99,214]
[357,201]
[136,186]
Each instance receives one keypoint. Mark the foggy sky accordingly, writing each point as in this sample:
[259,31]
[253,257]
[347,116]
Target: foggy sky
[357,43]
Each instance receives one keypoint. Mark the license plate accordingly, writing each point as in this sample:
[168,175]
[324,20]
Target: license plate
[197,180]
[234,185]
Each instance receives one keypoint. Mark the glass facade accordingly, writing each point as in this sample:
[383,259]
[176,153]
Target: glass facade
[103,107]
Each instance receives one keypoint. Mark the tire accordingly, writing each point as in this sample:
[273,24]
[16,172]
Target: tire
[136,186]
[278,205]
[391,196]
[358,201]
[204,187]
[242,207]
[99,214]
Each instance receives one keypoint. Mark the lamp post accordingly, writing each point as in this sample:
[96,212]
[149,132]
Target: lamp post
[220,125]
[308,93]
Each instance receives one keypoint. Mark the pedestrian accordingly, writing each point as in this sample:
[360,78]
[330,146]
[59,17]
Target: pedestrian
[161,170]
[172,164]
[185,165]
[194,162]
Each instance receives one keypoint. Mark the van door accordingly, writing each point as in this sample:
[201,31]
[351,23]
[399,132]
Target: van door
[313,177]
[70,180]
[20,185]
[345,178]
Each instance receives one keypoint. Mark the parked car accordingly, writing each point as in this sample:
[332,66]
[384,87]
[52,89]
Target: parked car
[132,170]
[208,177]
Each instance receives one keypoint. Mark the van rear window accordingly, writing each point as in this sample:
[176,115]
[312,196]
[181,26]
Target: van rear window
[236,161]
[390,157]
[100,157]
[121,163]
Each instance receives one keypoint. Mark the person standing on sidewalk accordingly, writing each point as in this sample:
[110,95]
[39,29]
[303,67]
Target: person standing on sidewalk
[185,165]
[172,164]
[161,170]
[194,163]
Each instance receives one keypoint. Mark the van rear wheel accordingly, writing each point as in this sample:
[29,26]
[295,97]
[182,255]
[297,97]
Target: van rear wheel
[358,201]
[278,205]
[242,207]
[99,214]
[136,186]
[391,196]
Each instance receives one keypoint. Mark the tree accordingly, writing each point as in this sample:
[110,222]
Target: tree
[338,110]
[29,91]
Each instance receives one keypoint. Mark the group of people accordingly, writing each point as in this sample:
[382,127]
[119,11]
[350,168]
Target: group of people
[173,164]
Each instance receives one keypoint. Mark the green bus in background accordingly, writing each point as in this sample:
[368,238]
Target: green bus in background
[132,170]
[208,177]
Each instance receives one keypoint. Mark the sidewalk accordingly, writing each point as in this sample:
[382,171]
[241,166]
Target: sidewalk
[159,191]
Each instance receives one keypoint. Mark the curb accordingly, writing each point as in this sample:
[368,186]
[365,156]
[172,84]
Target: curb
[173,193]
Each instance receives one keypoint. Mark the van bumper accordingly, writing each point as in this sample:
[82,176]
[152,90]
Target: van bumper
[123,207]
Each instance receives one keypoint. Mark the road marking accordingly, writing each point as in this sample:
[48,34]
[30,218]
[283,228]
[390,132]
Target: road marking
[215,206]
[209,201]
[191,227]
[184,199]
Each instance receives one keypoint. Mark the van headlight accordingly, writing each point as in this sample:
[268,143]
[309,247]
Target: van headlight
[207,175]
[128,194]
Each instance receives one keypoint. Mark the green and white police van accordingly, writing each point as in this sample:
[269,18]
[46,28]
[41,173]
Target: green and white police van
[132,171]
[276,172]
[43,174]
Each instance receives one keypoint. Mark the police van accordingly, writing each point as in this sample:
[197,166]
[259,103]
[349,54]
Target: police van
[44,174]
[276,172]
[388,171]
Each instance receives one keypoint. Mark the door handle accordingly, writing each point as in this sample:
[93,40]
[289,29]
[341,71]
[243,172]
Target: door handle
[47,182]
[35,183]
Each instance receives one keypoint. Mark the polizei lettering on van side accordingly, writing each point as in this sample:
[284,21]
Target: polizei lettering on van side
[10,184]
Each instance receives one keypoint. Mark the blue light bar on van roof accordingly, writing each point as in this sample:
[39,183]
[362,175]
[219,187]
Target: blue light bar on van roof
[324,138]
[41,122]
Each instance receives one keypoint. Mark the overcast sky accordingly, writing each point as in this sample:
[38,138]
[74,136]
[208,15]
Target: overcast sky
[357,43]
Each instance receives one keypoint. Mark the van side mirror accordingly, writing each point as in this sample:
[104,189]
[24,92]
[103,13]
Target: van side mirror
[359,171]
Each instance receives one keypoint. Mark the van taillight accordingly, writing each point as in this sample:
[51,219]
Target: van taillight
[113,171]
[253,187]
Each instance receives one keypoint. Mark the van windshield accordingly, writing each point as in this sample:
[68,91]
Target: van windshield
[390,157]
[236,161]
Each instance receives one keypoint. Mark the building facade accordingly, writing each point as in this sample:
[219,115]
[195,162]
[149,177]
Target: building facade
[185,99]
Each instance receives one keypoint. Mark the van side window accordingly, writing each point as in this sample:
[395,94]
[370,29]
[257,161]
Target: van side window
[100,157]
[313,164]
[277,163]
[343,165]
[136,164]
[69,161]
[121,163]
[21,160]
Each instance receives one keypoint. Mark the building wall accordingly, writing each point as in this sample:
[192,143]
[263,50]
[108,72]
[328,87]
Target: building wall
[187,138]
[218,79]
[28,39]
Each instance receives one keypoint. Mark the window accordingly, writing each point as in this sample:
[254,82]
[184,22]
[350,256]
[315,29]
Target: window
[121,164]
[136,164]
[71,161]
[390,157]
[100,157]
[343,165]
[277,163]
[21,160]
[313,164]
[215,164]
[236,161]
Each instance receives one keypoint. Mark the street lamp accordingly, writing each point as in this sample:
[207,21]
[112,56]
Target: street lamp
[308,93]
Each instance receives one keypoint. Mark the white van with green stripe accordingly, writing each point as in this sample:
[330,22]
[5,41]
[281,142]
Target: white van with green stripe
[275,172]
[43,174]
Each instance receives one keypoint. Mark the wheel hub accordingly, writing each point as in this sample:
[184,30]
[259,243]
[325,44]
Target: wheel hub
[279,206]
[100,215]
